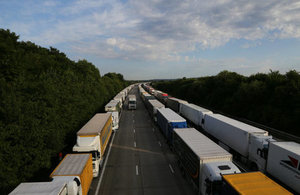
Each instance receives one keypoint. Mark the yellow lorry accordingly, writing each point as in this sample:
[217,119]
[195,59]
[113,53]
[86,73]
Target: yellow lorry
[73,176]
[253,183]
[93,138]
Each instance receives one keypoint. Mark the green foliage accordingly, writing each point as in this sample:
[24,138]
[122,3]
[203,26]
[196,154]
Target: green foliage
[271,99]
[44,99]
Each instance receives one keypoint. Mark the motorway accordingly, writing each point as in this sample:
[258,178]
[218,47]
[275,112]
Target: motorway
[140,161]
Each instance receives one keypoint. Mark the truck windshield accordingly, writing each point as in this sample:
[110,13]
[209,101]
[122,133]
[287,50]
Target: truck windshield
[131,102]
[95,154]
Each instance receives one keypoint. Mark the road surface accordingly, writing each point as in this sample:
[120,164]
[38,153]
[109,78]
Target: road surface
[140,161]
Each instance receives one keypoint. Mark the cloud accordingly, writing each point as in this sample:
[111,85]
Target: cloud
[154,30]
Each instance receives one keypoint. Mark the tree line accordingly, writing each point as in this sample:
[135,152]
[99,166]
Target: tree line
[45,98]
[271,99]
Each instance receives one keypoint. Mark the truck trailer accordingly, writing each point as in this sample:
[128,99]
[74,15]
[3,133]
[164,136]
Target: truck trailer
[153,105]
[53,188]
[257,149]
[194,113]
[93,137]
[283,162]
[248,142]
[79,165]
[203,161]
[73,176]
[167,120]
[252,183]
[113,106]
[174,103]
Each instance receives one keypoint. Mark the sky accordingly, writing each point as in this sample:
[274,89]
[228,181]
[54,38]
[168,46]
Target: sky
[153,39]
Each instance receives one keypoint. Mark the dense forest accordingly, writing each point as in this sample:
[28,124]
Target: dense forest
[271,99]
[44,100]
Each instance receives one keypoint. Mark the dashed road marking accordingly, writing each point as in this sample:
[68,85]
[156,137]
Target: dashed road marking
[104,166]
[159,144]
[137,170]
[172,170]
[134,143]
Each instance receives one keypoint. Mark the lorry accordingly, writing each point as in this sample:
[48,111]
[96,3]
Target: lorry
[201,160]
[119,98]
[94,137]
[153,105]
[194,113]
[247,142]
[283,163]
[72,176]
[167,120]
[252,183]
[174,103]
[131,102]
[115,120]
[161,96]
[114,108]
[255,148]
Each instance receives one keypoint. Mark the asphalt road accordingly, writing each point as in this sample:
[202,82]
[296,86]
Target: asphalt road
[140,161]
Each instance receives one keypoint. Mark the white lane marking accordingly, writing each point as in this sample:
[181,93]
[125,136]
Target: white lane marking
[134,144]
[133,130]
[104,166]
[133,121]
[159,144]
[172,170]
[137,170]
[153,129]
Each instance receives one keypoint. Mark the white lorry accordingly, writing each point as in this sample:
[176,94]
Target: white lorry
[114,108]
[131,102]
[194,113]
[93,137]
[153,105]
[175,103]
[248,142]
[283,162]
[257,149]
[73,176]
[203,161]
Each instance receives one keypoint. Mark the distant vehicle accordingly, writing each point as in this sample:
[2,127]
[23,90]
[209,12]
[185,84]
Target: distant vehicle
[93,137]
[72,176]
[174,103]
[115,120]
[131,102]
[153,105]
[168,120]
[114,108]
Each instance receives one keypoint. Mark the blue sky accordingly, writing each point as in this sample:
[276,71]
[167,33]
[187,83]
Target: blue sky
[146,39]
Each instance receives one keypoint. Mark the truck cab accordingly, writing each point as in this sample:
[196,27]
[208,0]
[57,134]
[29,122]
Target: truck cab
[211,178]
[90,145]
[258,151]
